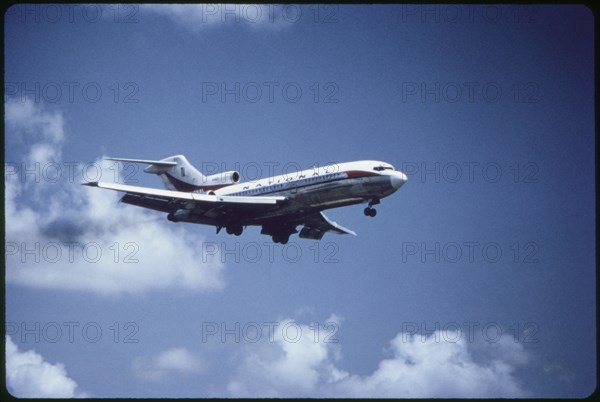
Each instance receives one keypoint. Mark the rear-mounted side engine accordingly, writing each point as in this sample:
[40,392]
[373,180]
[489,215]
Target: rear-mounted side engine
[221,179]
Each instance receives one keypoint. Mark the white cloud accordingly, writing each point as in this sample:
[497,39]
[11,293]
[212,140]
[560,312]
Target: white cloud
[195,17]
[37,125]
[292,365]
[430,368]
[29,376]
[62,235]
[420,367]
[172,361]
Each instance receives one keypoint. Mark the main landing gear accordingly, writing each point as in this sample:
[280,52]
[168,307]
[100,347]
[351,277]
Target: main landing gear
[235,230]
[282,238]
[370,211]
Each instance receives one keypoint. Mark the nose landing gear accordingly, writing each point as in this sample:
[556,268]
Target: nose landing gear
[370,211]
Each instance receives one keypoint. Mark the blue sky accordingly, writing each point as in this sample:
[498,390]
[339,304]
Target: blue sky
[475,279]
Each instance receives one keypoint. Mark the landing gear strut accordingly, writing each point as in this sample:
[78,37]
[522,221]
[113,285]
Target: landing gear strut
[370,211]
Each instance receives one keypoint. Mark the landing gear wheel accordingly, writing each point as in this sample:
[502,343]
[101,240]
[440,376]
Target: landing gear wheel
[281,238]
[370,212]
[235,230]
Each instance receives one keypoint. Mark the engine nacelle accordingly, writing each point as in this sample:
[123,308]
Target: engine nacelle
[222,179]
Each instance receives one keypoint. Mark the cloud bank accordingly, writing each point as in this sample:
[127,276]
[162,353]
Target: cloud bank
[62,235]
[420,367]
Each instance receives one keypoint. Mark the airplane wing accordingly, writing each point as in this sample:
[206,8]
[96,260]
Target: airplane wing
[220,206]
[170,201]
[316,225]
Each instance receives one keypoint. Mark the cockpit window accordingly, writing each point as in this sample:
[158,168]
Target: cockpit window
[380,168]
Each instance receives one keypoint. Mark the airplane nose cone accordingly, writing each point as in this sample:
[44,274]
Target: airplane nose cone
[398,179]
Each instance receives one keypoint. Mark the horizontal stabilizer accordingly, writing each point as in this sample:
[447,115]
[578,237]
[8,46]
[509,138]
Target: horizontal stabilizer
[155,167]
[145,161]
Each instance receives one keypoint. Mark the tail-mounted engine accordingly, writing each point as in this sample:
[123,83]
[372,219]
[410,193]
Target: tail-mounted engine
[222,179]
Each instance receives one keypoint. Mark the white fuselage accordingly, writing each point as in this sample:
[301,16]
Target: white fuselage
[325,187]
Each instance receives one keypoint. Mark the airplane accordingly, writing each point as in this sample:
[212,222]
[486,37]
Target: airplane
[278,204]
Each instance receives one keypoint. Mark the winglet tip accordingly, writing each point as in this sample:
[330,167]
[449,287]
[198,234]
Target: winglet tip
[90,183]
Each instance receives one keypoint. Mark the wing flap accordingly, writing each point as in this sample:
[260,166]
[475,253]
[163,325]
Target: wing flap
[155,203]
[316,225]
